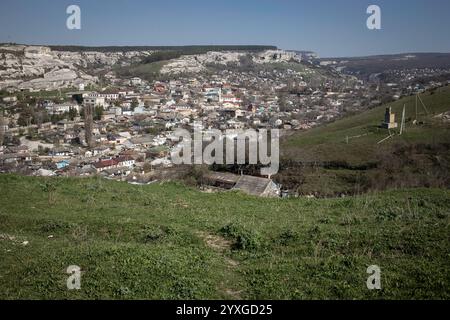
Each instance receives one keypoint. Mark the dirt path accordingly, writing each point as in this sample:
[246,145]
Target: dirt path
[223,246]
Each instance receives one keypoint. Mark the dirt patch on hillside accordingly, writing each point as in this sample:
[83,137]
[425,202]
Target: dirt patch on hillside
[215,242]
[221,246]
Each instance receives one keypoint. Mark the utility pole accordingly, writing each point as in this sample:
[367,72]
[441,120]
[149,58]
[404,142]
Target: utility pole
[416,107]
[423,104]
[402,126]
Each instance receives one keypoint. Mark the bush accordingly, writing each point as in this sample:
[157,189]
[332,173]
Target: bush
[287,236]
[243,239]
[155,233]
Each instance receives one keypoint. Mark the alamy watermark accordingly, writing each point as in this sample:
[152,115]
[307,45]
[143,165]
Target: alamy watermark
[73,22]
[234,147]
[74,280]
[374,280]
[374,20]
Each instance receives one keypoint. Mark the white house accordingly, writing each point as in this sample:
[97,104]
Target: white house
[62,108]
[135,81]
[94,101]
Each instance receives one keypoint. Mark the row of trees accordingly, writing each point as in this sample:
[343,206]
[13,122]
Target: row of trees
[199,49]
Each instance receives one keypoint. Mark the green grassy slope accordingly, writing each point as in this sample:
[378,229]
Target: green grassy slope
[171,242]
[328,142]
[147,71]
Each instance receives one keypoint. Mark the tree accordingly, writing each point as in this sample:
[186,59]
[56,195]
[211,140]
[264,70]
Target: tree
[282,102]
[72,113]
[50,187]
[25,117]
[134,104]
[98,112]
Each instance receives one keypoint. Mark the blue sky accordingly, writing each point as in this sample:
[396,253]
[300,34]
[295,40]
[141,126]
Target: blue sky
[328,27]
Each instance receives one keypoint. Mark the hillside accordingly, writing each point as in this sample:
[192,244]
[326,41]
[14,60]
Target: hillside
[323,162]
[43,67]
[166,241]
[366,66]
[329,142]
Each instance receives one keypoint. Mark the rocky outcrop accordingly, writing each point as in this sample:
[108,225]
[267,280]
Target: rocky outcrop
[198,63]
[39,67]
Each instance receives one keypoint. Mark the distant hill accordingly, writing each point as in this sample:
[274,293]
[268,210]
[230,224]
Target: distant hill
[366,66]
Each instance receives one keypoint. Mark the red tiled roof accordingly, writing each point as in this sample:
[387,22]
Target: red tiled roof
[105,163]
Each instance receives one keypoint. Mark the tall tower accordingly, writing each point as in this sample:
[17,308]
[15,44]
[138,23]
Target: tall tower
[2,126]
[88,124]
[389,119]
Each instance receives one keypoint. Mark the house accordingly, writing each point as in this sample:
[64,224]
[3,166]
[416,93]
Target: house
[231,99]
[46,126]
[65,124]
[108,164]
[239,113]
[60,152]
[145,140]
[151,99]
[14,158]
[125,161]
[62,108]
[22,149]
[10,99]
[107,95]
[135,81]
[44,173]
[100,150]
[62,164]
[257,186]
[93,100]
[222,180]
[160,87]
[117,172]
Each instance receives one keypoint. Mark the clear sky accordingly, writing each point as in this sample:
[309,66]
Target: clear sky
[329,27]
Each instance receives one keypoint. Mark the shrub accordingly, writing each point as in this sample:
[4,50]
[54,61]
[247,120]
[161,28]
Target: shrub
[155,233]
[287,236]
[243,239]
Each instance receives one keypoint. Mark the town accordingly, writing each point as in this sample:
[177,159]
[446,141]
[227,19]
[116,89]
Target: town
[58,120]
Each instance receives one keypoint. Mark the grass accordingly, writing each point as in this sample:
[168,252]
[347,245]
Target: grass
[148,242]
[364,156]
[143,70]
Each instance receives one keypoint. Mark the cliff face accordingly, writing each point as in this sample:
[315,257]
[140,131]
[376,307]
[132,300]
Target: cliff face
[37,67]
[198,63]
[40,67]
